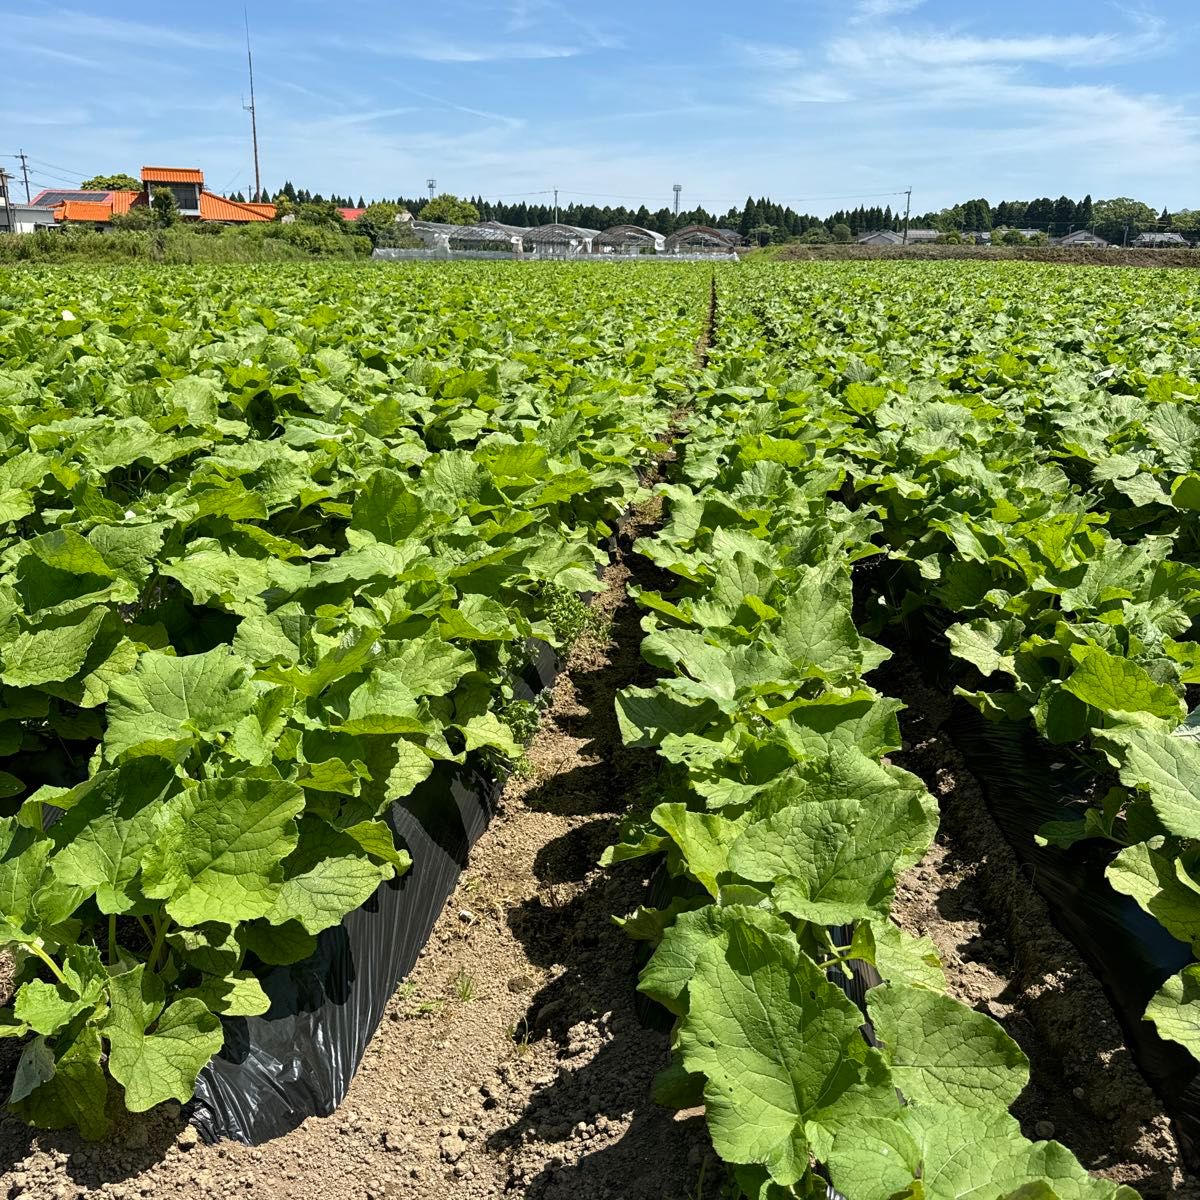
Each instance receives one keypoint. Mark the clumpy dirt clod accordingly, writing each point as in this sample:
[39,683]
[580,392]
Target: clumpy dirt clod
[511,1061]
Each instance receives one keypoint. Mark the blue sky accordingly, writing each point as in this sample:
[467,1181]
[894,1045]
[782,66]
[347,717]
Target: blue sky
[816,104]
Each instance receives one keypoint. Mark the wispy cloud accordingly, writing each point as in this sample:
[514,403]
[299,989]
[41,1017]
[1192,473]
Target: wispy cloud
[63,56]
[936,49]
[74,26]
[875,10]
[440,48]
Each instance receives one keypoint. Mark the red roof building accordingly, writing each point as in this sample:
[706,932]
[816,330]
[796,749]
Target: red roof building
[186,184]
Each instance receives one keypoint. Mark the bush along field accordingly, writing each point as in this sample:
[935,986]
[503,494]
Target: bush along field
[276,542]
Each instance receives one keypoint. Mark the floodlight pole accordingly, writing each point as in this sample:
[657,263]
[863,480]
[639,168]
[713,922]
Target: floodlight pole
[431,184]
[677,188]
[556,206]
[907,207]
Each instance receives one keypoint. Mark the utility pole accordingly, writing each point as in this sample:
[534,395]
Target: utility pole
[907,209]
[677,188]
[431,184]
[9,223]
[25,172]
[251,109]
[556,206]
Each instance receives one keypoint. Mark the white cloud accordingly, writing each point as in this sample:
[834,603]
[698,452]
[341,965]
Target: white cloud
[890,50]
[874,10]
[86,27]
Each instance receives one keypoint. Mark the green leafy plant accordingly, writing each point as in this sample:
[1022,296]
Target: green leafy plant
[271,548]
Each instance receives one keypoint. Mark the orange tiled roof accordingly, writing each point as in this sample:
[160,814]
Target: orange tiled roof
[217,208]
[172,175]
[122,202]
[83,210]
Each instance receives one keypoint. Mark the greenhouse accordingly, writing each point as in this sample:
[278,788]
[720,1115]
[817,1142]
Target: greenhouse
[559,241]
[629,239]
[700,239]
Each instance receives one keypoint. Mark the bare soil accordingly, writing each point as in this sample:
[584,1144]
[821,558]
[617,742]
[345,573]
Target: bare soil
[511,1062]
[1003,956]
[1114,256]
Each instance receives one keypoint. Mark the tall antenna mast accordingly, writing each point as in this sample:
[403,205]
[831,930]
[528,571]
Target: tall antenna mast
[251,110]
[431,184]
[677,188]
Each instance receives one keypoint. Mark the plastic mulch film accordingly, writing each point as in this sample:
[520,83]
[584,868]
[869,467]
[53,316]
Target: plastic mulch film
[1027,782]
[297,1060]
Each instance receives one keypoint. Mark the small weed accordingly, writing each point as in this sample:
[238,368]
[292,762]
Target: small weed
[464,986]
[523,768]
[430,1008]
[519,1036]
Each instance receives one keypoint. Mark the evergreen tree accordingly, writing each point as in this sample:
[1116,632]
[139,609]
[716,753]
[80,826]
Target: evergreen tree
[749,218]
[1064,216]
[1084,216]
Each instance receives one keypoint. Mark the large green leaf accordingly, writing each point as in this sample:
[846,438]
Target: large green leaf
[157,1051]
[779,1046]
[942,1052]
[167,704]
[218,849]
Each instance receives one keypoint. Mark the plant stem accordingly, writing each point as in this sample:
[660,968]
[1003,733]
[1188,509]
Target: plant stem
[40,951]
[159,937]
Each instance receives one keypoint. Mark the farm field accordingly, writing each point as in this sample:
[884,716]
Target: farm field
[280,545]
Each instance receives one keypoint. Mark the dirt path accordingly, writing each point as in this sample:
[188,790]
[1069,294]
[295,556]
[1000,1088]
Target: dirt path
[1004,957]
[511,1061]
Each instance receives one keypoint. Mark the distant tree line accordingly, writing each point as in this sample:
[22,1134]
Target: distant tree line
[764,221]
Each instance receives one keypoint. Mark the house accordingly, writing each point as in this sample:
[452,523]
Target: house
[1161,241]
[186,184]
[351,214]
[24,218]
[889,237]
[1082,237]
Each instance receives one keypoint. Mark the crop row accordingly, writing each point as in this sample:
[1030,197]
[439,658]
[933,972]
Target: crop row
[784,826]
[1031,454]
[273,544]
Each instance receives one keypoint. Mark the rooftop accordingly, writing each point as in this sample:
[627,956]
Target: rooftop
[172,175]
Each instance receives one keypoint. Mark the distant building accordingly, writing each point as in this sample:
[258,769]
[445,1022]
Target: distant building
[1082,237]
[186,184]
[24,218]
[703,239]
[557,240]
[1162,241]
[629,239]
[351,214]
[889,237]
